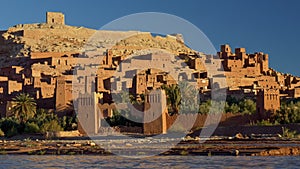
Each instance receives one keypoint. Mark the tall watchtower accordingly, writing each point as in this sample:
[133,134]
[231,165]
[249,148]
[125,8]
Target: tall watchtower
[267,101]
[55,18]
[155,113]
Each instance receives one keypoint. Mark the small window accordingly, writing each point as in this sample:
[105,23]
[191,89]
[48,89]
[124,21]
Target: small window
[52,20]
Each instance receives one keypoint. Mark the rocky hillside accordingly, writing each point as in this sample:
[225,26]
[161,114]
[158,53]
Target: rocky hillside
[19,41]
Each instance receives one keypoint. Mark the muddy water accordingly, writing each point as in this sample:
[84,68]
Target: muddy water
[26,161]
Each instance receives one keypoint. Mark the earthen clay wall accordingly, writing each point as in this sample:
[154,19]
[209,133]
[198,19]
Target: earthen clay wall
[36,34]
[154,127]
[14,86]
[40,55]
[55,18]
[227,119]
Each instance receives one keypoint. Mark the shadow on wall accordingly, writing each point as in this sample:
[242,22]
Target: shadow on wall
[227,119]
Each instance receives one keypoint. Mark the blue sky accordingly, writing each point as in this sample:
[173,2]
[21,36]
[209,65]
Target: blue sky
[270,26]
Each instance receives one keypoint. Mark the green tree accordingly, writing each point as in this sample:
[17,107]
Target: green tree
[204,107]
[69,123]
[288,113]
[233,108]
[173,97]
[247,106]
[189,98]
[24,107]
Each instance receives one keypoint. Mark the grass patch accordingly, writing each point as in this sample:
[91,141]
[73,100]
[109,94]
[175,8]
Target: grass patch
[71,153]
[184,153]
[287,133]
[3,152]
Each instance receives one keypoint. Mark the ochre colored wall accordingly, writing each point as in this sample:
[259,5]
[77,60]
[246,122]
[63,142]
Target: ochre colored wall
[55,18]
[198,120]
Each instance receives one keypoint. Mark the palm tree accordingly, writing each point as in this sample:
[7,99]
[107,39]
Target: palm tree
[189,99]
[24,107]
[173,97]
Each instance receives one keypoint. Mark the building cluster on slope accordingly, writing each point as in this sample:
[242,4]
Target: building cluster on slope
[251,74]
[88,81]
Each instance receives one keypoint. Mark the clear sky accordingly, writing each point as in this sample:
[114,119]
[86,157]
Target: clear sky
[270,26]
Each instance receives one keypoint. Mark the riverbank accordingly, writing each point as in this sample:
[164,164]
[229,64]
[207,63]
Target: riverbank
[145,146]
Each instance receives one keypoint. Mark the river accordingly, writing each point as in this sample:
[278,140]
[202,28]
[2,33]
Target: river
[86,161]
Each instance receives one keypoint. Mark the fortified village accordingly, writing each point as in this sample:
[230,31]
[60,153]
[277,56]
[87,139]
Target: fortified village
[46,60]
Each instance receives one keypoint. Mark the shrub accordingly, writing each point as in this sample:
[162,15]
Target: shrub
[2,133]
[287,133]
[68,123]
[12,132]
[9,126]
[233,108]
[204,107]
[42,117]
[31,128]
[118,118]
[266,123]
[51,126]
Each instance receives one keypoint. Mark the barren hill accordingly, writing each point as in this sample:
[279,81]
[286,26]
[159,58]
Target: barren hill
[19,41]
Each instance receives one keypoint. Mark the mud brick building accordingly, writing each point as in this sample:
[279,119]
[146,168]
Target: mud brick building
[46,60]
